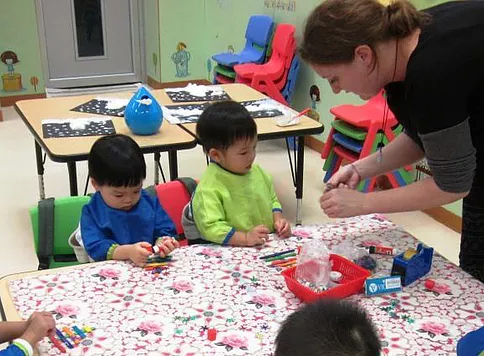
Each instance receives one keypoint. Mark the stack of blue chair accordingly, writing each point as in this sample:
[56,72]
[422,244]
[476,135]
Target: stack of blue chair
[258,37]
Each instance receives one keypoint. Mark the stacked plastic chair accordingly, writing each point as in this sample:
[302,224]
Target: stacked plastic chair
[271,77]
[258,37]
[359,131]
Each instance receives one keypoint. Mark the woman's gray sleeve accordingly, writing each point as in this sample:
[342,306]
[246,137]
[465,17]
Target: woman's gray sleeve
[451,157]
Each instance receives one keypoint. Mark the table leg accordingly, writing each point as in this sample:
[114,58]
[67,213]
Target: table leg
[40,170]
[173,162]
[71,167]
[157,162]
[299,178]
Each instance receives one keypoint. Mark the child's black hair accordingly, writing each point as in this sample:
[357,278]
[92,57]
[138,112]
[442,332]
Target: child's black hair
[117,161]
[328,328]
[223,123]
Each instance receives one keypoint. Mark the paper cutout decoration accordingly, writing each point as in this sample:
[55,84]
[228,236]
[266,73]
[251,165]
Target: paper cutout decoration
[194,92]
[104,106]
[59,128]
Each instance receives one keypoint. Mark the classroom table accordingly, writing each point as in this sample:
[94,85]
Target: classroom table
[231,290]
[171,138]
[268,130]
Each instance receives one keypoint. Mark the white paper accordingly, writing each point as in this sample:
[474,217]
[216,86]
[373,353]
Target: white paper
[198,90]
[114,103]
[75,124]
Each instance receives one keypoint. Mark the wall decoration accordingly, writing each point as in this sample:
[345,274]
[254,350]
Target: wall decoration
[315,96]
[181,58]
[282,5]
[224,3]
[155,60]
[230,49]
[11,81]
[34,81]
[209,69]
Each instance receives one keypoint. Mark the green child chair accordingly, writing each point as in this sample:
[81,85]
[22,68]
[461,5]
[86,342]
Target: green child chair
[53,221]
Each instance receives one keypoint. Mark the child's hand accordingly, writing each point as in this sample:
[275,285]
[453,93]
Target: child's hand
[283,228]
[257,236]
[139,254]
[40,324]
[166,245]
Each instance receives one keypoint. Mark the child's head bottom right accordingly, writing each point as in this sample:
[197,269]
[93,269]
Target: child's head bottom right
[328,328]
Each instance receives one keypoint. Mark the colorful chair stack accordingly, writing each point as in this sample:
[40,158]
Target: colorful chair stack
[258,37]
[359,131]
[271,77]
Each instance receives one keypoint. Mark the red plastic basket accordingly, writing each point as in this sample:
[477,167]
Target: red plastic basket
[352,282]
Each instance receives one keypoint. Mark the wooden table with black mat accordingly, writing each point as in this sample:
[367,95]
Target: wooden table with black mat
[170,138]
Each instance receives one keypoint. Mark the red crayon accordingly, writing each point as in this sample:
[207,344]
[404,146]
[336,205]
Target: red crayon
[382,250]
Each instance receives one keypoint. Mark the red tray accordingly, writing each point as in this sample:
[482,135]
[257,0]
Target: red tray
[352,282]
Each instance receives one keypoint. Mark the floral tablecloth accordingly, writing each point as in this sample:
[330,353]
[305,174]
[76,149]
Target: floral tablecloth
[232,290]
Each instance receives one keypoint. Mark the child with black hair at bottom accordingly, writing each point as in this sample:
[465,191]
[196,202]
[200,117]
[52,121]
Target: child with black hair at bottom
[122,220]
[328,328]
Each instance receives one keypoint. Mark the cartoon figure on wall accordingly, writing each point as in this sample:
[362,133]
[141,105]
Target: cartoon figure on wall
[181,58]
[315,95]
[34,81]
[11,81]
[230,49]
[155,60]
[209,68]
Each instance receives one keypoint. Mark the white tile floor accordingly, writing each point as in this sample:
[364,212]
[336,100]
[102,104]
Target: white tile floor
[19,191]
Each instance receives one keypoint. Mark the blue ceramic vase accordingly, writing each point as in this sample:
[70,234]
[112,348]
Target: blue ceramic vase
[143,116]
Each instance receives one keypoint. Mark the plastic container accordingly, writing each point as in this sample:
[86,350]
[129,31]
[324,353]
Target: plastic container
[352,282]
[143,114]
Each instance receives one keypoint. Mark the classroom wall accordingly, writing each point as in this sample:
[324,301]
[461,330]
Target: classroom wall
[18,33]
[152,34]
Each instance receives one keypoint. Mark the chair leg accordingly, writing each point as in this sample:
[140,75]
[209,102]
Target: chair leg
[162,173]
[87,183]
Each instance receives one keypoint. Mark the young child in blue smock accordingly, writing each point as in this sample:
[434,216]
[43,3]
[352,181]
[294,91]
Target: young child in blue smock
[122,220]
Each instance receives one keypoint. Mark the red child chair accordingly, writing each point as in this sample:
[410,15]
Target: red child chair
[283,48]
[173,197]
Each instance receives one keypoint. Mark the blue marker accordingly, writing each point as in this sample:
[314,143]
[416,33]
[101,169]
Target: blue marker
[63,338]
[79,332]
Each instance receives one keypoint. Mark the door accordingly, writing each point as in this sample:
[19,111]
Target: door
[90,42]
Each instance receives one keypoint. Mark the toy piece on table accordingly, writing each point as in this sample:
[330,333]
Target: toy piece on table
[381,285]
[62,338]
[57,344]
[413,264]
[429,284]
[382,250]
[212,334]
[75,334]
[335,276]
